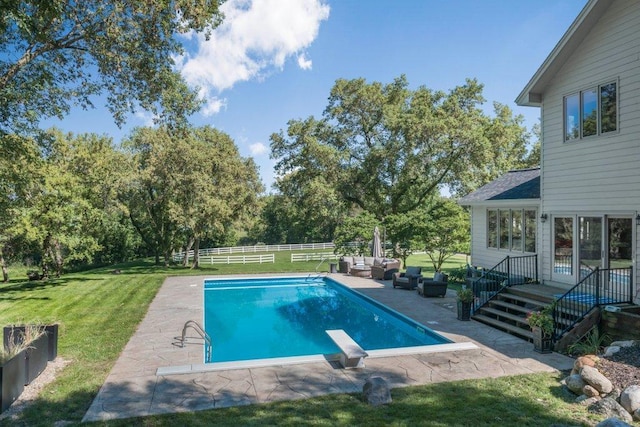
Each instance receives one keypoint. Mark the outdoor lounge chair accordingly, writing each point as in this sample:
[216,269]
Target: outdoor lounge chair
[435,287]
[408,279]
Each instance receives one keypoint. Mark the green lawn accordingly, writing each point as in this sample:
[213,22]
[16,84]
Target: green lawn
[98,312]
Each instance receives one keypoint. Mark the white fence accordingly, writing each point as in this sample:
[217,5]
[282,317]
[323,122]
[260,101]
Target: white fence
[238,259]
[318,256]
[253,249]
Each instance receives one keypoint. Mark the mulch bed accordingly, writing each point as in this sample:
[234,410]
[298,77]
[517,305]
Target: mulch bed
[622,368]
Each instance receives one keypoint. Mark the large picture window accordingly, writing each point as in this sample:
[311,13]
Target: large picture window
[593,111]
[512,229]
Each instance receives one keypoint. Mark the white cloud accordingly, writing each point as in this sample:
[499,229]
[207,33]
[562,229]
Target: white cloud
[147,118]
[258,149]
[303,62]
[256,37]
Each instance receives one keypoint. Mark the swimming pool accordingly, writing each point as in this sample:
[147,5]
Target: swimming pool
[264,318]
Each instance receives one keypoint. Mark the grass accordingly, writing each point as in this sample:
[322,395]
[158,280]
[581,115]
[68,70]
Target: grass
[98,312]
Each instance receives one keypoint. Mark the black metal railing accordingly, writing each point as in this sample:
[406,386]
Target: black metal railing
[600,287]
[511,271]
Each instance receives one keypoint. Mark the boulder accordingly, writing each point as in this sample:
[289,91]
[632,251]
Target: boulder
[590,391]
[595,379]
[584,400]
[575,383]
[611,350]
[628,343]
[630,398]
[376,391]
[588,360]
[612,422]
[636,415]
[610,409]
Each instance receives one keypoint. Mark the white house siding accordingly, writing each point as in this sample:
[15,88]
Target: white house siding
[481,255]
[601,174]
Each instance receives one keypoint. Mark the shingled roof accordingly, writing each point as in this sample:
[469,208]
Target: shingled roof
[514,185]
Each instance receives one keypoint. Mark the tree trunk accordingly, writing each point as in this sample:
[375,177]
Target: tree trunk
[5,271]
[185,259]
[57,256]
[196,255]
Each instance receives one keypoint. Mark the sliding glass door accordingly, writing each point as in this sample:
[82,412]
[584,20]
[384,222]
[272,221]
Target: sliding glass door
[583,243]
[563,267]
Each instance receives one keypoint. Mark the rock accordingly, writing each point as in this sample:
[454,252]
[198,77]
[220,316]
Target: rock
[630,398]
[376,391]
[615,394]
[575,383]
[611,350]
[612,422]
[610,408]
[590,391]
[588,360]
[636,415]
[586,401]
[628,343]
[595,379]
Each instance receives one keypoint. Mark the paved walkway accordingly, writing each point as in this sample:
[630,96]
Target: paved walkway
[133,387]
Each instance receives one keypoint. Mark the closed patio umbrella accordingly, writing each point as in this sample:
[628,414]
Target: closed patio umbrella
[376,251]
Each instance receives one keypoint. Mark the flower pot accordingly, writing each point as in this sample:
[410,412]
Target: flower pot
[12,374]
[464,310]
[542,343]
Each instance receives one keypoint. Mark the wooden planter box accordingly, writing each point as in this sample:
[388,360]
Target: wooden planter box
[12,374]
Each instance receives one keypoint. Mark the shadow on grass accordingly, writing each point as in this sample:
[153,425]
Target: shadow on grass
[489,402]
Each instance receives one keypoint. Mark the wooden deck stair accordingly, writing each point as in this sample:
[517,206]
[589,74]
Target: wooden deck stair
[508,310]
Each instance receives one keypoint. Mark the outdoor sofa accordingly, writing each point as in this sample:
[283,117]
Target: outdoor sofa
[381,268]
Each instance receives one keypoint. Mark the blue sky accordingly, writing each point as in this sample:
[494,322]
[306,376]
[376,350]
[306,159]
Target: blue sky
[276,60]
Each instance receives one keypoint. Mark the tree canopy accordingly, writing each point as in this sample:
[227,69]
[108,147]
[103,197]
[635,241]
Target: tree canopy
[59,53]
[388,149]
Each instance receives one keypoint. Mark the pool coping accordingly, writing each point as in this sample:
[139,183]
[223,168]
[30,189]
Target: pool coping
[141,382]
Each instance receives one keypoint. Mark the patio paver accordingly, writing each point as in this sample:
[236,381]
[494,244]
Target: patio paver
[133,389]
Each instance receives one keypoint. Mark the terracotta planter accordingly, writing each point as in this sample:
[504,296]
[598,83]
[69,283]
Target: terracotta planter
[12,374]
[464,310]
[542,343]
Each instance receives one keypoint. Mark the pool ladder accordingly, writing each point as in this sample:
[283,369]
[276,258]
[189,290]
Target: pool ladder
[203,334]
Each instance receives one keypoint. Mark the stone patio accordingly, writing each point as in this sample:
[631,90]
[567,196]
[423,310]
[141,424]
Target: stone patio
[154,375]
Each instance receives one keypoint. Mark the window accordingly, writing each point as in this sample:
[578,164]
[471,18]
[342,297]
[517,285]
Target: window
[492,232]
[591,112]
[512,229]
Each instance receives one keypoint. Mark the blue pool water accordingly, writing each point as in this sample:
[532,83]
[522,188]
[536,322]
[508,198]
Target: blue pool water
[282,317]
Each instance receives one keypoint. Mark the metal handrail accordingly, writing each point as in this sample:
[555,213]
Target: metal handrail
[203,334]
[511,271]
[603,286]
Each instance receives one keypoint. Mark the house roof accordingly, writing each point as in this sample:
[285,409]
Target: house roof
[514,185]
[531,95]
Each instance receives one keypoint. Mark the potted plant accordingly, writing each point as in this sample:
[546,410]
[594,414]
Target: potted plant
[12,374]
[541,323]
[465,299]
[35,340]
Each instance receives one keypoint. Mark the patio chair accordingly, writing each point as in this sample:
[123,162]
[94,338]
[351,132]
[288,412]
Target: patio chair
[408,279]
[434,287]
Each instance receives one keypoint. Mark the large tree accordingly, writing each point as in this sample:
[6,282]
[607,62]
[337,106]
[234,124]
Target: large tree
[59,53]
[187,187]
[389,150]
